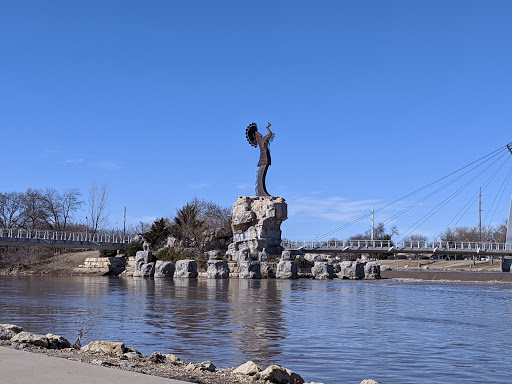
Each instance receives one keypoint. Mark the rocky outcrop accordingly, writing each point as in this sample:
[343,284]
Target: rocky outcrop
[322,270]
[186,268]
[279,375]
[256,226]
[217,269]
[105,347]
[8,331]
[250,369]
[201,367]
[372,271]
[45,341]
[164,269]
[287,269]
[352,270]
[144,264]
[249,269]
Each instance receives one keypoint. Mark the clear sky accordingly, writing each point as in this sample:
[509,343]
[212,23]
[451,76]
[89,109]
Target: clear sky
[369,100]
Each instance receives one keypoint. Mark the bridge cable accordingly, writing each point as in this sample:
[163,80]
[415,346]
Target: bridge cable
[502,188]
[436,209]
[400,213]
[466,207]
[368,215]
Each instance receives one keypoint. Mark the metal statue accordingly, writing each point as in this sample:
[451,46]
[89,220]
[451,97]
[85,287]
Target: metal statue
[256,139]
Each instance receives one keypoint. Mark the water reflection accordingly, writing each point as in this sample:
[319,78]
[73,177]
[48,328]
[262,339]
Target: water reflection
[390,330]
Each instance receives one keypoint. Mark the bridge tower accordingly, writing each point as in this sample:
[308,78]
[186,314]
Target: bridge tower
[509,227]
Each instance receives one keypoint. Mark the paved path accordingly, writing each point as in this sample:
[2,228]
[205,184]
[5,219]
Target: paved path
[20,367]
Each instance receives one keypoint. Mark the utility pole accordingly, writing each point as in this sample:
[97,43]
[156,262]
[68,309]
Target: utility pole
[124,226]
[373,226]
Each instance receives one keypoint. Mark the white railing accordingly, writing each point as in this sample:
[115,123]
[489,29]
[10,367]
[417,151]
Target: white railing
[405,245]
[49,235]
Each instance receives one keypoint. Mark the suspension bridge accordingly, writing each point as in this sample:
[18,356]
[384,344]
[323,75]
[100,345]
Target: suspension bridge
[59,239]
[493,163]
[483,171]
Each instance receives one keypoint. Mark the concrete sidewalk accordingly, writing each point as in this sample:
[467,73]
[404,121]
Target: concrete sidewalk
[20,367]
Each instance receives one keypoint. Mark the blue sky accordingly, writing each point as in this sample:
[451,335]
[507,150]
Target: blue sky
[369,100]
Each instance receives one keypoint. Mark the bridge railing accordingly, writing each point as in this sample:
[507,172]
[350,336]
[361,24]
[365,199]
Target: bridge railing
[49,235]
[396,246]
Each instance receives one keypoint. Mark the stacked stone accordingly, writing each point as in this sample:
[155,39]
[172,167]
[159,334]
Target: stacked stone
[256,225]
[287,267]
[186,268]
[146,265]
[217,268]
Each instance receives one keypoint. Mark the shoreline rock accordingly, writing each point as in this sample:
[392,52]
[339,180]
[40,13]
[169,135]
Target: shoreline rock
[116,354]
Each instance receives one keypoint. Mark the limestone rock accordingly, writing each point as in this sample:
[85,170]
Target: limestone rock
[217,269]
[8,331]
[172,358]
[164,269]
[314,257]
[369,381]
[287,256]
[204,366]
[352,270]
[249,270]
[322,270]
[31,338]
[12,327]
[145,270]
[186,268]
[144,257]
[279,375]
[57,342]
[105,347]
[287,270]
[372,271]
[157,358]
[250,368]
[144,264]
[256,225]
[268,269]
[214,255]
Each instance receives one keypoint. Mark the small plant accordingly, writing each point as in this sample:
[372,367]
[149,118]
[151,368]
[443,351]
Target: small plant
[171,254]
[108,253]
[132,248]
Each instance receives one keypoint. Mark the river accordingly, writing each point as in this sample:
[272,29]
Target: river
[339,331]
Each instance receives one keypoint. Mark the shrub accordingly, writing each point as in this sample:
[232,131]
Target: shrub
[171,254]
[132,248]
[108,253]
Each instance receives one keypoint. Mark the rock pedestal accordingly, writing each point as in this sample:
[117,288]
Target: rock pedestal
[217,269]
[144,264]
[186,268]
[287,269]
[164,269]
[322,270]
[256,225]
[352,270]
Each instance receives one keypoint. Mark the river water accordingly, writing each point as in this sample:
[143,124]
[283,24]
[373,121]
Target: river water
[391,330]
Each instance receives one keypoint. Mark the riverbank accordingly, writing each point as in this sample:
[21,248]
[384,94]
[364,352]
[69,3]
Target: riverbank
[459,270]
[18,349]
[159,365]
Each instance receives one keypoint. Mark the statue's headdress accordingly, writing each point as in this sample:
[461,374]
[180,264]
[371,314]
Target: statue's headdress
[250,134]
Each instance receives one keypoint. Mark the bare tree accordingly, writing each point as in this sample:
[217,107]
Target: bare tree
[34,212]
[60,206]
[11,210]
[98,201]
